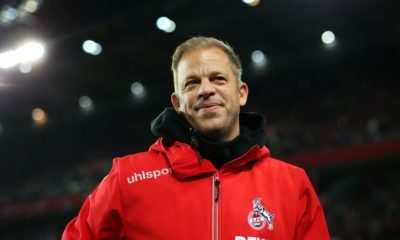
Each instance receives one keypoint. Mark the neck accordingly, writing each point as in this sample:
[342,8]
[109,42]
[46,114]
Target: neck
[222,135]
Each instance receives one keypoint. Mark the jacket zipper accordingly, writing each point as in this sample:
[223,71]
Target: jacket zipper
[215,205]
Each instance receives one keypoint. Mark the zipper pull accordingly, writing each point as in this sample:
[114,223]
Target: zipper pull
[217,183]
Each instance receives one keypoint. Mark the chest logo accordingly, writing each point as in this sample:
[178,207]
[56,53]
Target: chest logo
[260,216]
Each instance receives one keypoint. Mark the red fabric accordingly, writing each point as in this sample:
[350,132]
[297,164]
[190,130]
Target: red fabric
[169,193]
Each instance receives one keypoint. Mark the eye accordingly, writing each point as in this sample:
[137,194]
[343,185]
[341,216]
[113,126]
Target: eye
[190,82]
[219,78]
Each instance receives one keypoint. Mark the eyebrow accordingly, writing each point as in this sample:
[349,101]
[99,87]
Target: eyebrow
[191,76]
[213,73]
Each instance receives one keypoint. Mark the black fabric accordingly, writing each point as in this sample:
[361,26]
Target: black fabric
[171,126]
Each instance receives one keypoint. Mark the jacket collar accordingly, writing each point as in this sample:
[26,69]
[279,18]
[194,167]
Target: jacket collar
[185,162]
[169,125]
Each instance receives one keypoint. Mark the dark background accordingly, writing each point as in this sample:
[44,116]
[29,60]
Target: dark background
[317,100]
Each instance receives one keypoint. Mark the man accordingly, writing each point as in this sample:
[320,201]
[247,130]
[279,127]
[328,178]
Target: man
[209,175]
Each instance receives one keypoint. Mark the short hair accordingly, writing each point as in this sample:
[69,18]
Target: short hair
[201,42]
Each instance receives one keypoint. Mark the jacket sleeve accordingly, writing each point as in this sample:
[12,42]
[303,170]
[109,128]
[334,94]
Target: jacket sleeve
[101,214]
[311,223]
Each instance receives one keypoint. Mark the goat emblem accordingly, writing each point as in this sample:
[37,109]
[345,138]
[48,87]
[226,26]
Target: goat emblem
[260,216]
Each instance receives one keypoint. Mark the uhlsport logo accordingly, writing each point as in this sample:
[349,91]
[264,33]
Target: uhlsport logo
[260,216]
[144,175]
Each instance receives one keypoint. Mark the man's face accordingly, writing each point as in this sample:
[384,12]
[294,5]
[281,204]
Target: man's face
[208,93]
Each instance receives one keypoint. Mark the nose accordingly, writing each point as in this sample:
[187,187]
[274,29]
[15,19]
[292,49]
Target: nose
[206,89]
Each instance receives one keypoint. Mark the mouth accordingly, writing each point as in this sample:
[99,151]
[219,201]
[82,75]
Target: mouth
[207,106]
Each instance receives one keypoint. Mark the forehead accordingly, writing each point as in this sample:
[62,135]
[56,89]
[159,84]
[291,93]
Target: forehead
[202,59]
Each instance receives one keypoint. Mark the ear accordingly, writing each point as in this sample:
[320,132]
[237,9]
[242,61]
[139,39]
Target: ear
[175,101]
[243,93]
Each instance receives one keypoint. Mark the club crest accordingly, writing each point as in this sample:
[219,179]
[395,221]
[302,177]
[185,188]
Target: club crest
[260,216]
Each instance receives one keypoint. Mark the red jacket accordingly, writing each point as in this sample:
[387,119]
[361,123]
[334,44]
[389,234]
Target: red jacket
[169,193]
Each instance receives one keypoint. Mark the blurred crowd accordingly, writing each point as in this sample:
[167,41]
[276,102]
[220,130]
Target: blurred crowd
[363,205]
[39,208]
[350,115]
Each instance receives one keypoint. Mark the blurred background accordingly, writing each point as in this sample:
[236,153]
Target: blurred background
[80,82]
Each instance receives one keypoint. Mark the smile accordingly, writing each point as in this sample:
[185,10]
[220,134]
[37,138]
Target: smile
[209,107]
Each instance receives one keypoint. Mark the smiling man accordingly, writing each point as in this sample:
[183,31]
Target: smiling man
[208,94]
[209,175]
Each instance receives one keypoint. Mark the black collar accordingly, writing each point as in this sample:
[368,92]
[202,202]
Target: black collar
[169,125]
